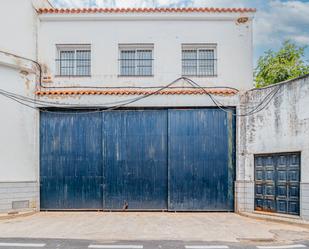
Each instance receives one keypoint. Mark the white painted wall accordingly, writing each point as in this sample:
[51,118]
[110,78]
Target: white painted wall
[19,124]
[18,132]
[18,25]
[282,127]
[166,31]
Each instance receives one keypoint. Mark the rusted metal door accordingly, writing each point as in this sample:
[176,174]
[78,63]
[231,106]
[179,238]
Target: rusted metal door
[201,152]
[135,160]
[277,179]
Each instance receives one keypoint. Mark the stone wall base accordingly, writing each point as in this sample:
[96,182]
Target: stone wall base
[19,197]
[244,196]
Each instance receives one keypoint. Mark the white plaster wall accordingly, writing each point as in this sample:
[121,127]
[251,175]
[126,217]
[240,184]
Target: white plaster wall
[282,127]
[18,27]
[18,151]
[104,33]
[18,134]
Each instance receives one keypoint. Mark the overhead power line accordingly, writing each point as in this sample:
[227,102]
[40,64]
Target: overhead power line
[43,105]
[262,105]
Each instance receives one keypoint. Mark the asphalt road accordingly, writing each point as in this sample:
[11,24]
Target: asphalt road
[85,244]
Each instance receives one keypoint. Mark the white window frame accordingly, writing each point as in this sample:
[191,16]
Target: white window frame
[135,47]
[197,47]
[72,47]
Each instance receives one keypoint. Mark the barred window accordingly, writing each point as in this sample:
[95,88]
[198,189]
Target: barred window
[135,60]
[199,60]
[74,60]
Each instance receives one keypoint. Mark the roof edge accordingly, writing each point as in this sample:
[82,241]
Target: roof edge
[143,10]
[140,92]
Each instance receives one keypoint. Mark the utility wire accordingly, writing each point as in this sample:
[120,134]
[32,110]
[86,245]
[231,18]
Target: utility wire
[25,58]
[42,104]
[20,99]
[72,106]
[255,110]
[31,100]
[54,104]
[93,87]
[133,100]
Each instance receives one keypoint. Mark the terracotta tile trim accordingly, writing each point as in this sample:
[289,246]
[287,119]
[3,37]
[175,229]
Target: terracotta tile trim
[139,92]
[142,10]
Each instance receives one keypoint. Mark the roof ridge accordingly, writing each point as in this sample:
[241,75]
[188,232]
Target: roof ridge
[144,10]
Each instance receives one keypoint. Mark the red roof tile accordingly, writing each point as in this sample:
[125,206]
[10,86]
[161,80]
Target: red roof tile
[140,92]
[143,10]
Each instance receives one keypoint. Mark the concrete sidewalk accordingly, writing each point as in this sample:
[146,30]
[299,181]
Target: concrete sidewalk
[225,227]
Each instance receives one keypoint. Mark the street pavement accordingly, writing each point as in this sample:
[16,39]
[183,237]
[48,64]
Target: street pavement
[86,244]
[150,226]
[83,230]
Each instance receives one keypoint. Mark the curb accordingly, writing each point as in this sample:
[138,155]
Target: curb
[7,216]
[276,218]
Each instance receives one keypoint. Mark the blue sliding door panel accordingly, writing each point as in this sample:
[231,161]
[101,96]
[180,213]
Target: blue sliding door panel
[135,159]
[201,160]
[70,161]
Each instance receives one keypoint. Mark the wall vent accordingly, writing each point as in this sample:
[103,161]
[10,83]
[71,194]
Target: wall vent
[20,204]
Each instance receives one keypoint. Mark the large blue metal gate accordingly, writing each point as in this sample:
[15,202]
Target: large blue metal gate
[171,159]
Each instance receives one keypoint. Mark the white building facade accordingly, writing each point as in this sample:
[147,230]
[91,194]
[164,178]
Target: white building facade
[113,103]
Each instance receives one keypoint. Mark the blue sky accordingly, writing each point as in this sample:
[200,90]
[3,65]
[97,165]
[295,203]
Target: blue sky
[275,21]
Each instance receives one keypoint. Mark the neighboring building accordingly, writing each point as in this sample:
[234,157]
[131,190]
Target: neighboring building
[129,115]
[273,151]
[19,132]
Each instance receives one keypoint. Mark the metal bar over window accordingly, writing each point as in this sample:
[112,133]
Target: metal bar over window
[199,62]
[74,62]
[136,62]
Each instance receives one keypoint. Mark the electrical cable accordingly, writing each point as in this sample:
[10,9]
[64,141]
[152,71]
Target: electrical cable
[20,98]
[227,109]
[42,104]
[110,103]
[142,97]
[96,87]
[37,101]
[20,102]
[253,111]
[25,58]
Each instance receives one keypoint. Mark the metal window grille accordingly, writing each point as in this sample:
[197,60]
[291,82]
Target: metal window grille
[137,62]
[74,62]
[199,62]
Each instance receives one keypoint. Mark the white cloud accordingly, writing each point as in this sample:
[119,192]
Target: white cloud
[301,39]
[281,21]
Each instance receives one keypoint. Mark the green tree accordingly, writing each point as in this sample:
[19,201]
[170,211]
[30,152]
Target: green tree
[287,63]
